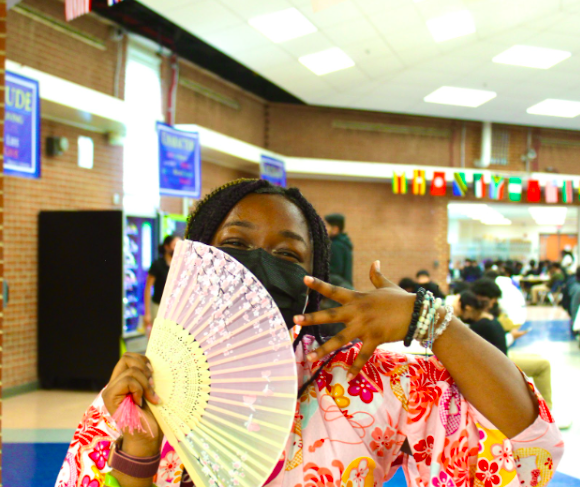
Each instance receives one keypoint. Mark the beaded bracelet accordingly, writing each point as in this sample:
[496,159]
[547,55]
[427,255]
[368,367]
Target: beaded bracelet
[423,324]
[420,297]
[436,332]
[428,321]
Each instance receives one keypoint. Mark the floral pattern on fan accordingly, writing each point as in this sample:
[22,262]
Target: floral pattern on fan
[224,369]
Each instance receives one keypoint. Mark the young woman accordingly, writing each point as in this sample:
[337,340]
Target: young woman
[156,279]
[467,417]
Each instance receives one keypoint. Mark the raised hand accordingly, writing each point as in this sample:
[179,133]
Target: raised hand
[374,317]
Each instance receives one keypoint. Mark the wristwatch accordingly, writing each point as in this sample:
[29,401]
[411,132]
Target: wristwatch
[138,467]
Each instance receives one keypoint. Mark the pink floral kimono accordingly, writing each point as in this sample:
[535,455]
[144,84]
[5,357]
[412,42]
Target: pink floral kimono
[350,434]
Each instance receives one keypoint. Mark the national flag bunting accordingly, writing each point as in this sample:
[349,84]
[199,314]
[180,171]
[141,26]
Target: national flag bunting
[567,192]
[534,192]
[497,188]
[113,2]
[419,183]
[551,192]
[459,184]
[438,184]
[399,183]
[76,8]
[478,185]
[515,189]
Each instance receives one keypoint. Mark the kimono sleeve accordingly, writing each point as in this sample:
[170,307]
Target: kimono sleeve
[532,456]
[86,459]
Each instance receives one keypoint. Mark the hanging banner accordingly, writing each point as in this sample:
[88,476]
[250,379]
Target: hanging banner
[399,183]
[273,170]
[496,188]
[21,127]
[438,184]
[459,184]
[478,186]
[179,162]
[567,192]
[515,189]
[551,192]
[419,183]
[534,192]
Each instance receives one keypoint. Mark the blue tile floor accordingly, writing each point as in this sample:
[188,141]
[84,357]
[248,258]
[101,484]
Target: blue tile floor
[32,453]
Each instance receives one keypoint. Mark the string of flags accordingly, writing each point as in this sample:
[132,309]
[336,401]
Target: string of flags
[75,8]
[495,189]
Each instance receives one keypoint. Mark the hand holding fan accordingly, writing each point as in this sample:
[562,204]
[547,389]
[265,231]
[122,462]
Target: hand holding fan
[224,369]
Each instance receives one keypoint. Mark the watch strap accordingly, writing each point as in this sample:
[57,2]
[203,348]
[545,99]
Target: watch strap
[138,467]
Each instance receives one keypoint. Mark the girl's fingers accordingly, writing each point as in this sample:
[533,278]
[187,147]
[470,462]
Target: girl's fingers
[361,359]
[377,278]
[339,340]
[129,360]
[127,384]
[332,315]
[336,293]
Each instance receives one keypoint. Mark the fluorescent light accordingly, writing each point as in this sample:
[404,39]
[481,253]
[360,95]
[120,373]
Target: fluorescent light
[283,25]
[481,212]
[556,108]
[532,57]
[549,215]
[328,61]
[463,97]
[450,26]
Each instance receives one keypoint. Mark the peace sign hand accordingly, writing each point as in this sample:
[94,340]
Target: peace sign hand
[374,317]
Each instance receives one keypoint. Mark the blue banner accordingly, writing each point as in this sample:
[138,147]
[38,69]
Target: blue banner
[179,162]
[21,127]
[273,170]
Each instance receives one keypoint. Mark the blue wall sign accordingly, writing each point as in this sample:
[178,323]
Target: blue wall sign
[21,127]
[179,162]
[273,170]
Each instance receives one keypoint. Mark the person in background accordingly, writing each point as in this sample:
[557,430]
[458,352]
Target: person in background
[511,301]
[474,311]
[340,247]
[471,271]
[156,280]
[556,280]
[408,285]
[533,365]
[531,269]
[424,280]
[574,297]
[568,261]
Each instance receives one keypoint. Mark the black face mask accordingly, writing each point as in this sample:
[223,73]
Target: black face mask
[284,280]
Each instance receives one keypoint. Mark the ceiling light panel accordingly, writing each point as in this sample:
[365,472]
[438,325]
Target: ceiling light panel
[451,26]
[327,61]
[549,215]
[463,97]
[532,57]
[283,25]
[556,108]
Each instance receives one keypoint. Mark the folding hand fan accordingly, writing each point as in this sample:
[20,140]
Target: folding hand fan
[224,369]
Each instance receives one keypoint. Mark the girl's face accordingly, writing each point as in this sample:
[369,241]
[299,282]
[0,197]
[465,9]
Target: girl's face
[268,222]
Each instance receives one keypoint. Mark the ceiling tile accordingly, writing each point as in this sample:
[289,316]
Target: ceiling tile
[418,36]
[262,58]
[380,68]
[431,9]
[372,49]
[569,25]
[351,32]
[252,8]
[396,105]
[204,17]
[346,79]
[413,76]
[370,7]
[169,5]
[341,12]
[556,41]
[236,39]
[397,20]
[308,44]
[414,57]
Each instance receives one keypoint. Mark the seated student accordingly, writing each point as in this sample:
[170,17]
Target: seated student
[471,271]
[475,312]
[424,280]
[533,365]
[408,285]
[557,279]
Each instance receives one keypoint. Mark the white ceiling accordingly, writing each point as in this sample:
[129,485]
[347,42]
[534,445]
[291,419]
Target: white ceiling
[518,214]
[397,61]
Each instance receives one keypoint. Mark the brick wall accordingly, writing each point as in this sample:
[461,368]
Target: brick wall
[37,45]
[2,59]
[63,186]
[406,233]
